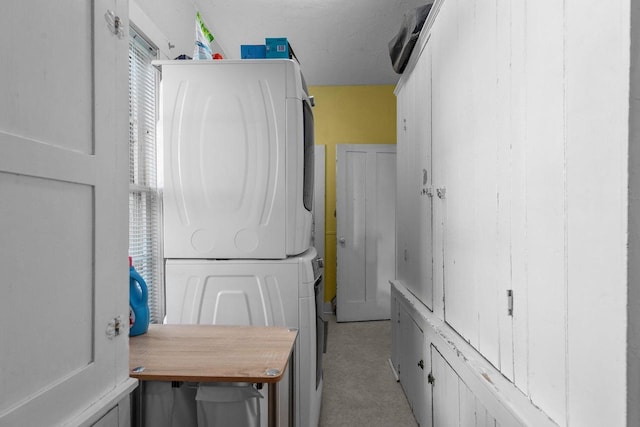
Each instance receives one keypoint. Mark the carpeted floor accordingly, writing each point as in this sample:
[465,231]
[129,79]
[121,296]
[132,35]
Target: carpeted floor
[359,387]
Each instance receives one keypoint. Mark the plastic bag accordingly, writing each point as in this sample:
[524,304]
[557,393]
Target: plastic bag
[401,46]
[203,39]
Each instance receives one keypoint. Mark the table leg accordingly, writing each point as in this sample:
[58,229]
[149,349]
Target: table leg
[273,410]
[292,387]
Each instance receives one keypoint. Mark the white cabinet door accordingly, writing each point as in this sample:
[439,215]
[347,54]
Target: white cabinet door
[422,180]
[396,340]
[414,367]
[469,157]
[63,209]
[453,402]
[414,181]
[405,102]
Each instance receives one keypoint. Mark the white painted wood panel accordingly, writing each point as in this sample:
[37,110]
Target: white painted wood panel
[418,368]
[421,182]
[499,397]
[452,129]
[517,168]
[597,147]
[381,223]
[465,149]
[409,222]
[439,158]
[545,212]
[352,260]
[110,419]
[446,404]
[63,182]
[412,375]
[483,97]
[460,406]
[366,230]
[532,147]
[396,338]
[503,185]
[405,102]
[467,416]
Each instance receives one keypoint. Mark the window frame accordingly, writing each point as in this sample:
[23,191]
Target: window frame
[145,196]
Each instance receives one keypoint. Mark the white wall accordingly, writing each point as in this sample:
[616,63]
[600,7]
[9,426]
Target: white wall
[170,24]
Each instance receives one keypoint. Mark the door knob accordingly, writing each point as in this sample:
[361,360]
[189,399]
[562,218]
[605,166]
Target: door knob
[342,241]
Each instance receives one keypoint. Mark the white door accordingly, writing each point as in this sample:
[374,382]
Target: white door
[366,250]
[63,210]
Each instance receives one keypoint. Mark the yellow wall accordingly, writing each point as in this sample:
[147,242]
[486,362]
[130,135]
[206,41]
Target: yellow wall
[348,115]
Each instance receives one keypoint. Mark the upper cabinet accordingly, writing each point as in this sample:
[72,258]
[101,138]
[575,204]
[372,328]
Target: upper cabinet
[513,117]
[63,186]
[415,190]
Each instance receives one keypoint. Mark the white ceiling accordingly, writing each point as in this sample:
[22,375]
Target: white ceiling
[338,42]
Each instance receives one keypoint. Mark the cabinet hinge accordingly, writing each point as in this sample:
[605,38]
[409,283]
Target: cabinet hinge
[510,302]
[427,191]
[114,327]
[431,379]
[114,23]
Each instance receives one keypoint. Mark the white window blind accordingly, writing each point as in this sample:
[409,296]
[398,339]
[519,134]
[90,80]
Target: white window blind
[144,199]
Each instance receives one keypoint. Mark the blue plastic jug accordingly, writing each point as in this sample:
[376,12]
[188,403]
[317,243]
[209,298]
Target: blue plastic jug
[138,304]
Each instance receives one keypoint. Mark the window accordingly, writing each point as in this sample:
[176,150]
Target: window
[144,198]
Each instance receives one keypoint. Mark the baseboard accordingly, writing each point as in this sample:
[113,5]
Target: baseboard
[393,371]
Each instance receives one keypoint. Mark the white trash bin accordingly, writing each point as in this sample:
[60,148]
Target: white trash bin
[228,404]
[168,406]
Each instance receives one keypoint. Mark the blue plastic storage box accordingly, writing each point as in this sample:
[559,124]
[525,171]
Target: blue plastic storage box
[277,47]
[253,51]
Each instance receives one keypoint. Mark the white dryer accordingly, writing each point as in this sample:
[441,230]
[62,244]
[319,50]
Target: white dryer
[262,293]
[238,145]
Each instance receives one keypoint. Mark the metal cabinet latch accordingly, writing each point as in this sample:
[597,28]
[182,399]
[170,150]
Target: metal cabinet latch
[114,327]
[431,379]
[421,364]
[442,192]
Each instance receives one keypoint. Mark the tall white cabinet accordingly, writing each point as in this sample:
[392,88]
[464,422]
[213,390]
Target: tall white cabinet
[515,237]
[63,213]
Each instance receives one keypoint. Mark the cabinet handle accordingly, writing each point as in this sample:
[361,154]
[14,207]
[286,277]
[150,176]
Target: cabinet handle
[342,241]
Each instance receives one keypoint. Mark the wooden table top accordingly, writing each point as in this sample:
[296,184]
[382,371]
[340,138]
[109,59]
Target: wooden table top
[211,353]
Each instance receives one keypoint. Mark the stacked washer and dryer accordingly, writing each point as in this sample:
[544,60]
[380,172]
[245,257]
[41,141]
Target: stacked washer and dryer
[238,188]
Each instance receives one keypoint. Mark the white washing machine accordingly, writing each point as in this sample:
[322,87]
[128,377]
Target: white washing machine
[263,293]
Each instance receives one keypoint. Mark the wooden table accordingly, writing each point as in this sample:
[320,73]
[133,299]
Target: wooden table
[212,353]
